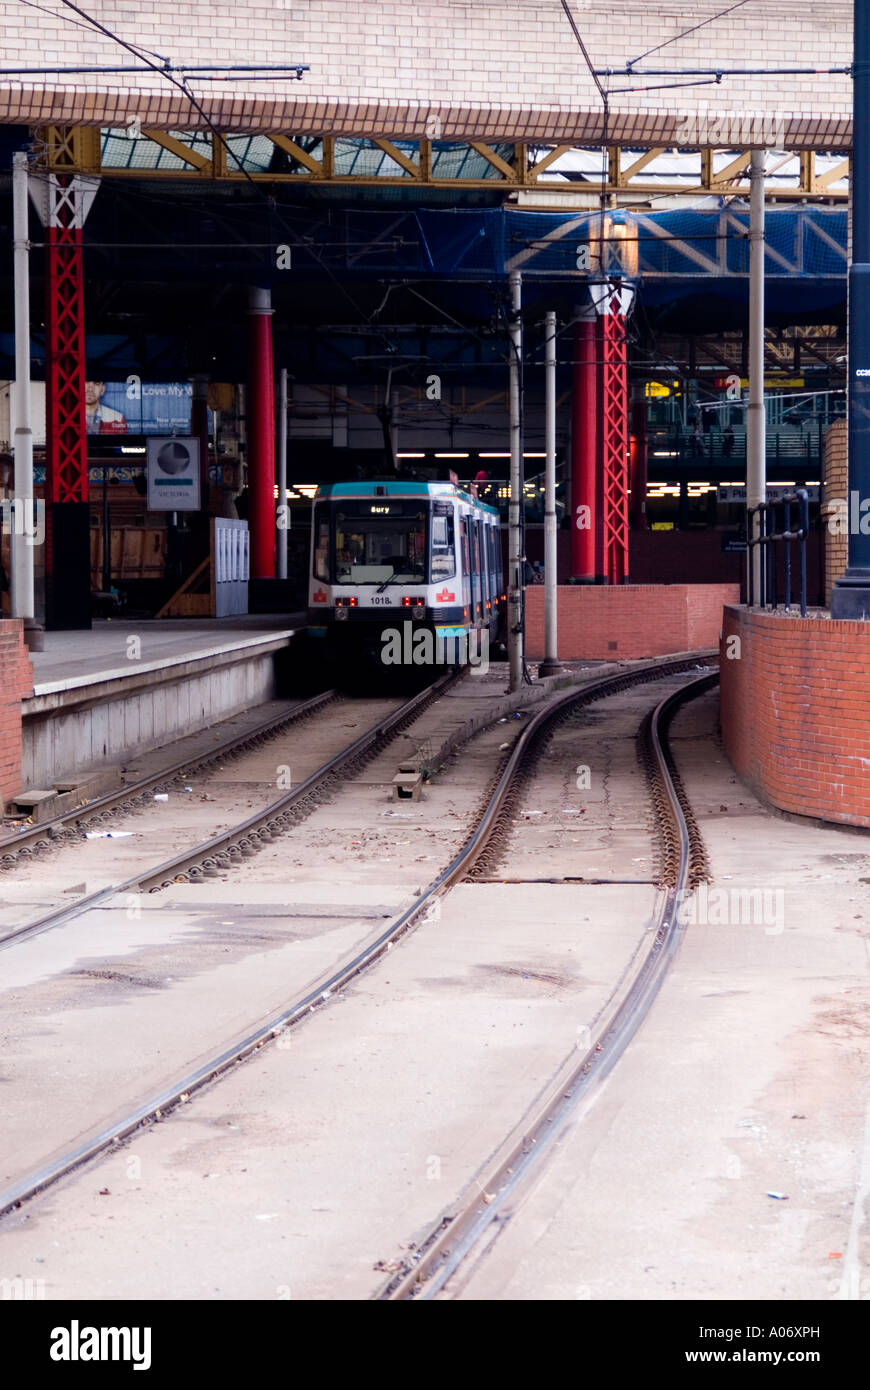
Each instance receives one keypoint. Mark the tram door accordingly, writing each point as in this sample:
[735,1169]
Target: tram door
[476,605]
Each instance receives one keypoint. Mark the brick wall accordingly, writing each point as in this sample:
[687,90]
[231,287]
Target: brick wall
[491,69]
[796,712]
[16,681]
[835,491]
[629,620]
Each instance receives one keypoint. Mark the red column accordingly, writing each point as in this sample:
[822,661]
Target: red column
[66,436]
[638,468]
[67,548]
[584,496]
[261,436]
[614,442]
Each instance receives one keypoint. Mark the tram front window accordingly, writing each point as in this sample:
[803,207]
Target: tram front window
[374,549]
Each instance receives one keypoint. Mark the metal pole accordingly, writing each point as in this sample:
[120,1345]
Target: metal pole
[394,425]
[756,443]
[107,534]
[283,514]
[851,594]
[261,435]
[21,578]
[515,573]
[550,664]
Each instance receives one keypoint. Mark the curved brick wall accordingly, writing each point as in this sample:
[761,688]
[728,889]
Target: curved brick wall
[629,620]
[796,712]
[16,681]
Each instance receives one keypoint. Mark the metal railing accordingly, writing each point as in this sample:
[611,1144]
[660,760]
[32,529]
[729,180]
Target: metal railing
[776,525]
[803,449]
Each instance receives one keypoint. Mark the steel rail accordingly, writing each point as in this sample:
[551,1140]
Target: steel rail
[317,996]
[37,838]
[481,1214]
[220,852]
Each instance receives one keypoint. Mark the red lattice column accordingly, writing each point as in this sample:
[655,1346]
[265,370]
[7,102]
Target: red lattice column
[66,435]
[614,441]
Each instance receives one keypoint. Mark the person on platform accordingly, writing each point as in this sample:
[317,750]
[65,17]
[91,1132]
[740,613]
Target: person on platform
[727,442]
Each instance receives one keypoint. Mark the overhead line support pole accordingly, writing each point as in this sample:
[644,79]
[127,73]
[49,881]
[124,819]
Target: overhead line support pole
[756,441]
[22,536]
[283,511]
[515,547]
[550,665]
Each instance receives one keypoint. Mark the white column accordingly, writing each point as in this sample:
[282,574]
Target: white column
[756,441]
[283,513]
[550,664]
[394,425]
[21,579]
[515,574]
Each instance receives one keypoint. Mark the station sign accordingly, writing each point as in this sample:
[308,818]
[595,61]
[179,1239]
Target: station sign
[172,465]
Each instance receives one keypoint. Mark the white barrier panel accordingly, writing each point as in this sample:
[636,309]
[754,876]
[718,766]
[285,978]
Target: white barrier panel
[231,566]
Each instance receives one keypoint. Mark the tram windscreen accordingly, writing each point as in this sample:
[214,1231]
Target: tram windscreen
[380,542]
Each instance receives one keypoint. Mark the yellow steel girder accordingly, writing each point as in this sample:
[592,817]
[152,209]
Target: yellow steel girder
[77,149]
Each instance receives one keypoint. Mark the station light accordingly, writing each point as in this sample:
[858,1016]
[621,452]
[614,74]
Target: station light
[451,456]
[413,456]
[494,456]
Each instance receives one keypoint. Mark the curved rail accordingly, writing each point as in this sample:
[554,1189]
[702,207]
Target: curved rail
[221,852]
[461,1232]
[497,805]
[37,838]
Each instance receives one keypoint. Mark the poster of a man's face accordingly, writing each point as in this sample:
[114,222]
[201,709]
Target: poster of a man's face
[101,419]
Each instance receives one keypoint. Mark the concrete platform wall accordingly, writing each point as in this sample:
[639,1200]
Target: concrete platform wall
[630,620]
[16,681]
[110,722]
[796,711]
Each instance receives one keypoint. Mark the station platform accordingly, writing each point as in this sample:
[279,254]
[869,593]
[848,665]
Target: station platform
[71,660]
[126,686]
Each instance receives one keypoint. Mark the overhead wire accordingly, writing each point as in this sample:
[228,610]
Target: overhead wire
[685,33]
[184,88]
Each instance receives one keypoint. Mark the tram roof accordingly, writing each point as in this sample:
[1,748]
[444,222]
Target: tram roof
[398,487]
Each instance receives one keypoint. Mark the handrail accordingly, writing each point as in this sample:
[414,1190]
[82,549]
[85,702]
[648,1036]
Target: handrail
[768,538]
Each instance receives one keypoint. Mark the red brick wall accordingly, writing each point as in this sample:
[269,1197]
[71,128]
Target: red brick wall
[629,620]
[835,492]
[16,681]
[796,712]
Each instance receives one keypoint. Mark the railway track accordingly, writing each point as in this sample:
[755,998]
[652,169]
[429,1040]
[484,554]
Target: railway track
[36,840]
[493,816]
[465,1231]
[221,852]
